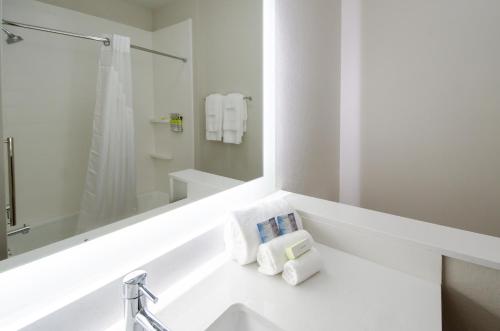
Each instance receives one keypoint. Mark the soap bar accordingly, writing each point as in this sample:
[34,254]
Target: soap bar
[298,249]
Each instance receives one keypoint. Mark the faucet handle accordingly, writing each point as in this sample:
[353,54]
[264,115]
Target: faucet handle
[134,285]
[137,277]
[144,290]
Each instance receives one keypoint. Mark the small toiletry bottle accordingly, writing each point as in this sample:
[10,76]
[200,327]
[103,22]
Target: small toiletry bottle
[176,122]
[181,128]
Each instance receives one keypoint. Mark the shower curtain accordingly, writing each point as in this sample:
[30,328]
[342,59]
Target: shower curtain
[110,185]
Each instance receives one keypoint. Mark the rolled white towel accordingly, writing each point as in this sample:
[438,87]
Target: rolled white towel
[298,270]
[271,256]
[241,235]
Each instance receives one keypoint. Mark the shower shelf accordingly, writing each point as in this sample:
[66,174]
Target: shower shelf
[155,121]
[160,156]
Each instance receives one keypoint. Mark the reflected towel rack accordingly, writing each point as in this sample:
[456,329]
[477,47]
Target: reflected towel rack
[247,98]
[24,230]
[104,40]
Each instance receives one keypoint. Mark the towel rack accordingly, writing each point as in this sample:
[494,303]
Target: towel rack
[247,98]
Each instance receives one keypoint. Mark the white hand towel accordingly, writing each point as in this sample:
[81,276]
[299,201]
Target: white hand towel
[241,234]
[298,270]
[235,116]
[241,98]
[271,256]
[213,116]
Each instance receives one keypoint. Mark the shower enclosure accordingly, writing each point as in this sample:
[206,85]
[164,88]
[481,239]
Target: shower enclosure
[51,111]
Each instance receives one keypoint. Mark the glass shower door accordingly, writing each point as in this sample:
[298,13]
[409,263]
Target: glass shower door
[3,216]
[48,99]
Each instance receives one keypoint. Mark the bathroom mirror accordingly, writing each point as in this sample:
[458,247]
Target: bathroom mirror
[116,111]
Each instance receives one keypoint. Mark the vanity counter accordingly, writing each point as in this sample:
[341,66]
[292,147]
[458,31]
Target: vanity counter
[349,293]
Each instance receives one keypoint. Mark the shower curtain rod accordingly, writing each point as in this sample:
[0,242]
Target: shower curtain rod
[105,41]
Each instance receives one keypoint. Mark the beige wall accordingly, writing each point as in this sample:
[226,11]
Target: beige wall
[115,10]
[175,12]
[422,82]
[308,92]
[430,111]
[428,114]
[471,296]
[227,49]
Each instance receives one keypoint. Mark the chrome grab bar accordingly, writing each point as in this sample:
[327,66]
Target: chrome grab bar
[24,230]
[12,181]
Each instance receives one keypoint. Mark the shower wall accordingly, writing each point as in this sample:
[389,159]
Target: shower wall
[173,83]
[49,87]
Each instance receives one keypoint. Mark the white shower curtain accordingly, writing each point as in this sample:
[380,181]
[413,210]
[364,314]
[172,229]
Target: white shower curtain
[110,185]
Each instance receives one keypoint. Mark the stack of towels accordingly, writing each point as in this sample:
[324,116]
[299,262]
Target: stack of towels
[226,117]
[271,233]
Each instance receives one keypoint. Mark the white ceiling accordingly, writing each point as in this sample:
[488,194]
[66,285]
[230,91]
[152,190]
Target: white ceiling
[151,4]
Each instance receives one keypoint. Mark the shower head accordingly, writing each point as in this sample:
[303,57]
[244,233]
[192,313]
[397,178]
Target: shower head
[11,38]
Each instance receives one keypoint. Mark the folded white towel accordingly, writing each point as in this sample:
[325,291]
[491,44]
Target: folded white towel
[213,116]
[234,118]
[271,256]
[300,269]
[241,234]
[241,99]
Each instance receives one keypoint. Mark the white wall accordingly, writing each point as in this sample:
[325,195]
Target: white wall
[173,83]
[350,103]
[308,96]
[49,85]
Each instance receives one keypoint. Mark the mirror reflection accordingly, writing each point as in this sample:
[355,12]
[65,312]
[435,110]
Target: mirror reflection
[116,108]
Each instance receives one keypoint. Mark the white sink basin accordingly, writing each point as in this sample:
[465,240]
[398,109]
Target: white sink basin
[238,317]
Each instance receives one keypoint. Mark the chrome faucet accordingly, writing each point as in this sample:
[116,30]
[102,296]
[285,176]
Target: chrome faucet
[135,299]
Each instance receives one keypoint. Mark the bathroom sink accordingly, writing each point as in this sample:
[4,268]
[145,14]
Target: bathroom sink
[239,317]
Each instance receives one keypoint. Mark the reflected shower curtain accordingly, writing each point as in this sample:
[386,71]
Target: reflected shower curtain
[110,185]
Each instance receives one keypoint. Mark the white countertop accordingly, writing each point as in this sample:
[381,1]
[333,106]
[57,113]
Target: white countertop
[350,293]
